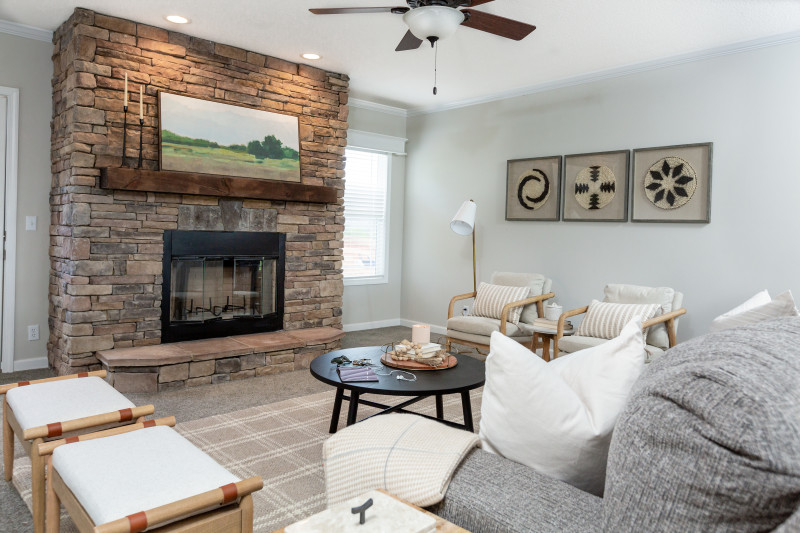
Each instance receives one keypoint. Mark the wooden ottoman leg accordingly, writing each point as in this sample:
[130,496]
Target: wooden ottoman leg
[52,520]
[37,487]
[246,506]
[8,444]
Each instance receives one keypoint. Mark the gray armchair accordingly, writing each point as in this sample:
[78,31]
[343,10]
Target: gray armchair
[662,331]
[475,331]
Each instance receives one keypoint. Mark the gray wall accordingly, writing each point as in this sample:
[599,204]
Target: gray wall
[746,104]
[377,305]
[25,65]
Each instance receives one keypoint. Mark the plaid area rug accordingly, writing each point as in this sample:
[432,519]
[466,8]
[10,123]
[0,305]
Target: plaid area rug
[282,443]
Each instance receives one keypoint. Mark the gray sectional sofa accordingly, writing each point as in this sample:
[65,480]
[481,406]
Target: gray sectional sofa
[709,441]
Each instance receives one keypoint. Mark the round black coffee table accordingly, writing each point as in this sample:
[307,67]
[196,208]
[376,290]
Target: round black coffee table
[468,374]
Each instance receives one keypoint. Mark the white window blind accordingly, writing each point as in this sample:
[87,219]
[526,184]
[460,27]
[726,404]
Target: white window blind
[365,213]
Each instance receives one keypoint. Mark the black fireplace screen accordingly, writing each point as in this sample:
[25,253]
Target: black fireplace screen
[221,283]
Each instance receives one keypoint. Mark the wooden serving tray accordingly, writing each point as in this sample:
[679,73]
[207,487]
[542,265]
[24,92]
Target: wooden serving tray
[387,360]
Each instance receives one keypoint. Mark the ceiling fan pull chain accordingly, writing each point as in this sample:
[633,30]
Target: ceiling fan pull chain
[435,65]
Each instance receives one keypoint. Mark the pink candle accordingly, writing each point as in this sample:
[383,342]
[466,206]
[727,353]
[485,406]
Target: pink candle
[141,104]
[126,90]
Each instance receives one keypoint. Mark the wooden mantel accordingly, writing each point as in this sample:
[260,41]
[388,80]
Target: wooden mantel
[135,179]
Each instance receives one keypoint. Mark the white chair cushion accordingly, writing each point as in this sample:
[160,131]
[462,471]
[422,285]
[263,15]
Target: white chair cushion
[576,343]
[558,417]
[606,320]
[58,401]
[480,325]
[536,282]
[491,299]
[117,476]
[636,294]
[757,309]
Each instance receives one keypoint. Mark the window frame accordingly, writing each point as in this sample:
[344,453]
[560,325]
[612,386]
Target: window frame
[383,278]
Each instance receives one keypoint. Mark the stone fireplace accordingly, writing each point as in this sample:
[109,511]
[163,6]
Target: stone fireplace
[108,234]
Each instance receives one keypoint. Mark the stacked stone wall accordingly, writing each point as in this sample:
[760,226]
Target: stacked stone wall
[106,245]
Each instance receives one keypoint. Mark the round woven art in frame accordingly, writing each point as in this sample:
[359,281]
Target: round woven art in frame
[670,183]
[595,187]
[533,189]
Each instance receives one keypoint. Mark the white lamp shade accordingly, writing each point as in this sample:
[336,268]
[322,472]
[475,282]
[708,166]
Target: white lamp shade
[433,21]
[464,221]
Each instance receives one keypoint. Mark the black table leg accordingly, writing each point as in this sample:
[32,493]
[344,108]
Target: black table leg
[439,407]
[352,412]
[466,404]
[337,409]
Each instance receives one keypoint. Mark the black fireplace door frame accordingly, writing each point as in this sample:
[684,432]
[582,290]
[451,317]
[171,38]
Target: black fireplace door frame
[221,244]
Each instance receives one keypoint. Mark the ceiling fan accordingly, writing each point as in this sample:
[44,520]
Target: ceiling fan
[437,19]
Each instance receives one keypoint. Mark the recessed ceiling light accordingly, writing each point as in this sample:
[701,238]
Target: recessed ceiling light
[177,19]
[312,56]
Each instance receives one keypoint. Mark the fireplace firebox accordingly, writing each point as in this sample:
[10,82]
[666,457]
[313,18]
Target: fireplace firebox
[217,284]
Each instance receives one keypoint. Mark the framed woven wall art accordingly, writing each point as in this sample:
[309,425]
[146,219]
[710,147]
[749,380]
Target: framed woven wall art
[596,187]
[672,184]
[533,188]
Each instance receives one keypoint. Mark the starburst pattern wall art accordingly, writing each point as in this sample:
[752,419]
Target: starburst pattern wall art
[672,183]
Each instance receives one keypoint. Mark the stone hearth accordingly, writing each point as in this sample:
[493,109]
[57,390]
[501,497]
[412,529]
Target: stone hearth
[107,245]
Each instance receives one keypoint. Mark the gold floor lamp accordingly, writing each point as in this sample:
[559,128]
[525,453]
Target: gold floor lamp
[464,224]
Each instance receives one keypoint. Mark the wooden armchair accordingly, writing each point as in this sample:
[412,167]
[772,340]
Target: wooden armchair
[475,331]
[658,339]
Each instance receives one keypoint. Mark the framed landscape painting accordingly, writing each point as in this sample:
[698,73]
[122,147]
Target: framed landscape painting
[208,137]
[596,187]
[532,188]
[672,184]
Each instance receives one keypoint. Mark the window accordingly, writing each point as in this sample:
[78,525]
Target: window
[366,218]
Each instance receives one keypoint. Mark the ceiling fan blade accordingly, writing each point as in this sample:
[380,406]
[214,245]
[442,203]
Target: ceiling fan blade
[479,2]
[409,42]
[351,10]
[511,29]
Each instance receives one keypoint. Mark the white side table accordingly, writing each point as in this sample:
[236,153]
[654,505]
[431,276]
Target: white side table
[547,335]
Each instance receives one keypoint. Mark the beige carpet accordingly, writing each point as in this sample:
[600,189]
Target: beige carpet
[282,443]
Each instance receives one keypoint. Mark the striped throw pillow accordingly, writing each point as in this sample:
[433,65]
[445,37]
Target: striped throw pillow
[605,320]
[492,298]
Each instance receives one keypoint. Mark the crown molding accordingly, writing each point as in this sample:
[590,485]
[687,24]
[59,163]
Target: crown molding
[29,32]
[635,68]
[372,106]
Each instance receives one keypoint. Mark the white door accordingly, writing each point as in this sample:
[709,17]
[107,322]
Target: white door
[3,146]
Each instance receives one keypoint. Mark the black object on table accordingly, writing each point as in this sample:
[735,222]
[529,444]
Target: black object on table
[467,375]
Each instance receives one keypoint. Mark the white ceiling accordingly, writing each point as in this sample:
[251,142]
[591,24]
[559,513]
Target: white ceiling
[573,38]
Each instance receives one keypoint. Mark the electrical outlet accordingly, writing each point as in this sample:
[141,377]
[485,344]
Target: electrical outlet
[33,332]
[30,223]
[465,311]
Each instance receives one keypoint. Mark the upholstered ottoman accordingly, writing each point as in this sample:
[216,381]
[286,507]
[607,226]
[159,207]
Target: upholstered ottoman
[37,411]
[144,476]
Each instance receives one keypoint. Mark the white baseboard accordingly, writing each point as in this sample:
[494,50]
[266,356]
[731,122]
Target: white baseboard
[439,330]
[360,326]
[30,364]
[389,323]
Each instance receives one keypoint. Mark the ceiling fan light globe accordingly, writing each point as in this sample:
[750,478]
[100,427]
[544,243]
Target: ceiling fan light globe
[433,21]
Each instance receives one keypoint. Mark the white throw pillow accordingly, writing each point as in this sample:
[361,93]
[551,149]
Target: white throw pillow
[756,309]
[558,417]
[606,320]
[491,299]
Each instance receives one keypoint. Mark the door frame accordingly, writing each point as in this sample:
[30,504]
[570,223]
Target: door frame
[10,227]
